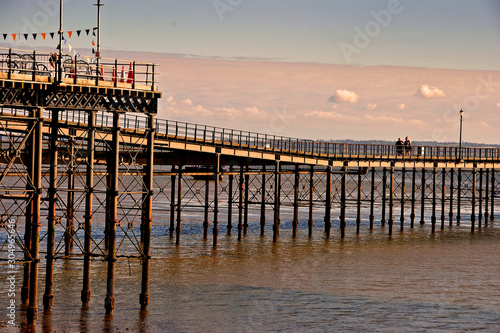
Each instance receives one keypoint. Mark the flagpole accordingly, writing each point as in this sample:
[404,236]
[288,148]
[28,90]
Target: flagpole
[98,51]
[59,60]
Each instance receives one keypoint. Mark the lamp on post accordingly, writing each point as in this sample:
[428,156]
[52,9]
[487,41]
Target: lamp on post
[460,143]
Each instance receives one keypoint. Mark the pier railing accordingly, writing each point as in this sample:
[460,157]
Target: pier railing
[43,67]
[232,138]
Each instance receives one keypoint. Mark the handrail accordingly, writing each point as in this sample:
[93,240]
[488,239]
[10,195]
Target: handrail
[43,66]
[232,138]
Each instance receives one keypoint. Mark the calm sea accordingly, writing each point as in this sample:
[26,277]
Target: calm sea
[414,281]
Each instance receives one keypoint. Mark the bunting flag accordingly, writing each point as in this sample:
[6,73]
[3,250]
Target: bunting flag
[27,36]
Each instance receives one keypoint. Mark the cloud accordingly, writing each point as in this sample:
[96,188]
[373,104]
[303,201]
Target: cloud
[325,115]
[498,105]
[401,107]
[371,106]
[427,91]
[344,96]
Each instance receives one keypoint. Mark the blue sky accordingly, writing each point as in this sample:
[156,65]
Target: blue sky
[326,69]
[460,34]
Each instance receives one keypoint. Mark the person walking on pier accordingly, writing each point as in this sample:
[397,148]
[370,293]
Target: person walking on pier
[407,145]
[399,147]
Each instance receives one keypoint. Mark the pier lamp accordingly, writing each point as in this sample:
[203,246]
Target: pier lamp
[460,143]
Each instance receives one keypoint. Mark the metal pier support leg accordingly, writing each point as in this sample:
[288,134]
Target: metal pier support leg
[230,202]
[179,208]
[109,302]
[434,190]
[30,164]
[48,297]
[443,197]
[70,207]
[480,205]
[459,195]
[358,197]
[328,202]
[372,200]
[147,208]
[402,218]
[241,187]
[263,203]
[86,293]
[391,200]
[473,201]
[486,197]
[384,199]
[277,201]
[245,204]
[342,204]
[216,200]
[207,206]
[310,221]
[422,199]
[493,193]
[172,206]
[32,311]
[413,194]
[452,173]
[295,221]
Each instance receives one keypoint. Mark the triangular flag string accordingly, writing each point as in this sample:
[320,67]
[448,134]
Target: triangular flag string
[19,36]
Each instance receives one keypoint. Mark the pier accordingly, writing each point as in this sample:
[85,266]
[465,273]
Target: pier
[88,149]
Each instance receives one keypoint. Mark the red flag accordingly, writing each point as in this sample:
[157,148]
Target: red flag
[14,36]
[43,35]
[70,33]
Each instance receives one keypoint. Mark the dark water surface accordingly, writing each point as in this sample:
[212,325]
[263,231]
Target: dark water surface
[411,282]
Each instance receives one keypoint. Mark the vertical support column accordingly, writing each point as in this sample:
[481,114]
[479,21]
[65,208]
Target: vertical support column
[480,206]
[434,190]
[358,208]
[87,249]
[216,199]
[473,201]
[342,204]
[240,203]
[384,199]
[230,202]
[172,205]
[413,194]
[422,202]
[263,203]
[147,208]
[403,199]
[452,173]
[443,197]
[70,204]
[295,221]
[328,202]
[109,302]
[277,201]
[207,206]
[486,196]
[30,163]
[391,200]
[245,204]
[48,297]
[459,195]
[372,200]
[179,208]
[36,144]
[493,193]
[310,222]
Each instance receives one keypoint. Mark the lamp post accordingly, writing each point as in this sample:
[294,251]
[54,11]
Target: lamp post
[460,144]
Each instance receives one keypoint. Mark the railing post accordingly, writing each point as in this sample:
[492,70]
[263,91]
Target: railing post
[153,79]
[34,67]
[133,75]
[115,77]
[9,73]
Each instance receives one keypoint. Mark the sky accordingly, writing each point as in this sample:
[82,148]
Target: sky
[319,69]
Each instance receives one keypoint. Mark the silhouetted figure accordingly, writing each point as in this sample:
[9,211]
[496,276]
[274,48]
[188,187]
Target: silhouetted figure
[407,146]
[399,147]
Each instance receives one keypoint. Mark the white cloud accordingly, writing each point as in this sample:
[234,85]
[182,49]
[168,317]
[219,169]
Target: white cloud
[371,106]
[498,105]
[325,115]
[401,107]
[427,91]
[187,102]
[344,96]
